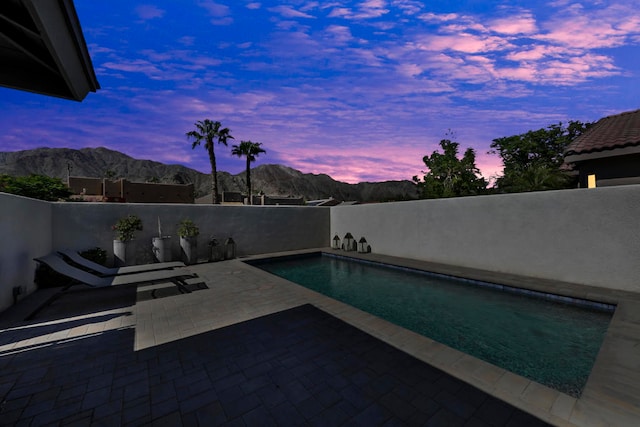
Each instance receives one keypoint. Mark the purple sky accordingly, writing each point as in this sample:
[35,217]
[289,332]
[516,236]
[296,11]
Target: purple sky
[359,90]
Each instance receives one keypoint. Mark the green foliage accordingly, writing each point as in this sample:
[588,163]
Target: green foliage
[208,132]
[97,255]
[126,227]
[35,186]
[187,228]
[532,161]
[250,150]
[448,176]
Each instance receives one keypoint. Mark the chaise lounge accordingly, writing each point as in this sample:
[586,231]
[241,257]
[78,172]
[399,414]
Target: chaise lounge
[59,265]
[101,270]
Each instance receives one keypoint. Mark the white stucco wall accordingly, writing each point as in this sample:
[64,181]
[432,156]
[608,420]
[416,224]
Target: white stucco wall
[583,236]
[25,231]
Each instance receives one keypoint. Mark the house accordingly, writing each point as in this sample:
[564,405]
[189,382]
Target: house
[608,153]
[122,190]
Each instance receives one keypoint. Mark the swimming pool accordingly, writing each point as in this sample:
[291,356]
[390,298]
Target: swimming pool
[550,342]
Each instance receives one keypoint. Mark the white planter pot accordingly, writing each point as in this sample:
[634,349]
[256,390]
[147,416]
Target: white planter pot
[119,253]
[162,248]
[189,249]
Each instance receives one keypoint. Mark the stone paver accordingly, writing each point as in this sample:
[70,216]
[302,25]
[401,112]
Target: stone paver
[249,349]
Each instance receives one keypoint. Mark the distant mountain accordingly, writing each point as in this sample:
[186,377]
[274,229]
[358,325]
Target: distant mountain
[273,180]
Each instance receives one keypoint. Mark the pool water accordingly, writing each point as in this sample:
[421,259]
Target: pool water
[552,343]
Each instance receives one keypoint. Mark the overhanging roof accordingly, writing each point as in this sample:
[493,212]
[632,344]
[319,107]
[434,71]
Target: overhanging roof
[611,136]
[42,49]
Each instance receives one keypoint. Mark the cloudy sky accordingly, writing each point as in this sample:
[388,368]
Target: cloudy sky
[360,90]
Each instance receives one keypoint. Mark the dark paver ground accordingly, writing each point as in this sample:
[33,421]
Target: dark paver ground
[297,367]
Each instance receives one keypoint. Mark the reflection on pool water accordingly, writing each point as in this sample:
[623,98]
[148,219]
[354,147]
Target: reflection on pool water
[552,343]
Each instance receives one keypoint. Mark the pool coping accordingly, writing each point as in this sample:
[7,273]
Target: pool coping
[612,393]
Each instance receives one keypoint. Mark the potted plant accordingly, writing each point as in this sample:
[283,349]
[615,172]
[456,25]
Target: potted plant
[125,229]
[188,232]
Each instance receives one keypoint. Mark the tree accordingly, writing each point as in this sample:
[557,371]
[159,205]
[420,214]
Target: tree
[250,150]
[448,176]
[35,186]
[533,160]
[210,132]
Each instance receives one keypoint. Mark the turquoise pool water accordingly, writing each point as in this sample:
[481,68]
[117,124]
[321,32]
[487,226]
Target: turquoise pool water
[552,343]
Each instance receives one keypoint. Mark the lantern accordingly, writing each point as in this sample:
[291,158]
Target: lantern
[216,251]
[335,243]
[349,243]
[363,247]
[229,249]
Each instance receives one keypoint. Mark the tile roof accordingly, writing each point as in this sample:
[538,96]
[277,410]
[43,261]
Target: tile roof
[618,131]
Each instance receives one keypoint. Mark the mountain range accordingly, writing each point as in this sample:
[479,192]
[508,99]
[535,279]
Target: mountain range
[272,179]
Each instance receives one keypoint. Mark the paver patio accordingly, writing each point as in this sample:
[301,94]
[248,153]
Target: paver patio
[249,349]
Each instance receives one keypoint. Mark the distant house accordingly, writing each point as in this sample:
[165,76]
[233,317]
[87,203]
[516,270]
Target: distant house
[237,198]
[608,153]
[122,190]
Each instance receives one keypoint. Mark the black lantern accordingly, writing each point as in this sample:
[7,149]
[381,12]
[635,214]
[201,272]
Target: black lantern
[363,247]
[349,243]
[335,243]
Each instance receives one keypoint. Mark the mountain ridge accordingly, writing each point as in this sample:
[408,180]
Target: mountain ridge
[272,179]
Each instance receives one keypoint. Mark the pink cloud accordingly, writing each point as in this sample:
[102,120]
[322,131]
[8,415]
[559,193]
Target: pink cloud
[525,24]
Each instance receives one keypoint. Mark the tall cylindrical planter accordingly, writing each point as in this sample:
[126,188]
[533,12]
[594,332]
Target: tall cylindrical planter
[189,249]
[162,249]
[119,253]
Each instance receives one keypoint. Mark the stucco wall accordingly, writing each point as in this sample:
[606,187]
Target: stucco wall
[255,230]
[582,236]
[32,228]
[25,230]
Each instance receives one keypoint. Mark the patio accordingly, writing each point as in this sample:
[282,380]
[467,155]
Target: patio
[250,349]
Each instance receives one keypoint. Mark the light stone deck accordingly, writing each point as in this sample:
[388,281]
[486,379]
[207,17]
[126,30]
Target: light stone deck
[239,292]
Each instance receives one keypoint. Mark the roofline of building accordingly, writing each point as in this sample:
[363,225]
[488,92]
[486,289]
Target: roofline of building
[613,152]
[58,29]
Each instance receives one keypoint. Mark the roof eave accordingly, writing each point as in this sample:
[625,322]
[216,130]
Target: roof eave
[581,157]
[68,73]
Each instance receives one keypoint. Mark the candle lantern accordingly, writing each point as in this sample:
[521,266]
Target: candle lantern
[349,243]
[335,243]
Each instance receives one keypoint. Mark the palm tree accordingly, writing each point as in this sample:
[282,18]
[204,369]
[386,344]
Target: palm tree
[209,132]
[250,150]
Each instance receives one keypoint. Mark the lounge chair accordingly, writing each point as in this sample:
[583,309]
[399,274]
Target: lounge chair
[101,270]
[59,265]
[78,276]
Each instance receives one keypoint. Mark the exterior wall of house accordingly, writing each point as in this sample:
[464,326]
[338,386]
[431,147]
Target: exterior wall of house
[25,227]
[619,170]
[144,192]
[582,236]
[83,185]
